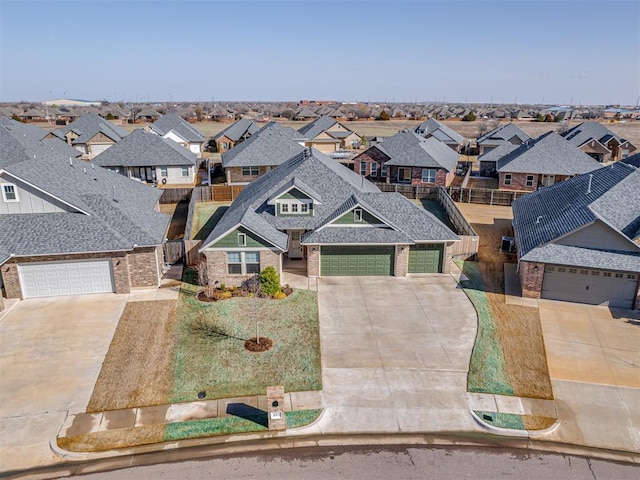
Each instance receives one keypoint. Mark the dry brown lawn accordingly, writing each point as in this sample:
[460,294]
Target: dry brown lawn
[138,366]
[178,212]
[518,327]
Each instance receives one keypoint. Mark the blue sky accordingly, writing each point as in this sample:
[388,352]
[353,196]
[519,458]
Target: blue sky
[580,51]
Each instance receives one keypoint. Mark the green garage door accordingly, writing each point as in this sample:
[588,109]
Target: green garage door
[425,258]
[356,261]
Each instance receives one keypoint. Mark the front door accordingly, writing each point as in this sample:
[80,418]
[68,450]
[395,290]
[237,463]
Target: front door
[548,180]
[295,248]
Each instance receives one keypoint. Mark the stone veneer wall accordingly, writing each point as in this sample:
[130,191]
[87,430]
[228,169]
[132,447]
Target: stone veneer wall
[531,276]
[401,261]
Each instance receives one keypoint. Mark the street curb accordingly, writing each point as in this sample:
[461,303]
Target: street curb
[193,449]
[511,432]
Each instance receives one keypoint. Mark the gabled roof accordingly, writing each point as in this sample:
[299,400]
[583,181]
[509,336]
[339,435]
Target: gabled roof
[318,126]
[172,122]
[105,211]
[241,128]
[440,131]
[148,112]
[548,154]
[29,137]
[87,126]
[339,187]
[23,129]
[271,145]
[408,149]
[144,149]
[498,152]
[502,133]
[609,194]
[582,133]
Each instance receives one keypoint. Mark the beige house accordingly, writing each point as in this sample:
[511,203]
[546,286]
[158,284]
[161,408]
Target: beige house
[328,135]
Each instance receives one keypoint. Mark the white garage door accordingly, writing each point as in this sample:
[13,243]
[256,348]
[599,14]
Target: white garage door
[66,278]
[595,287]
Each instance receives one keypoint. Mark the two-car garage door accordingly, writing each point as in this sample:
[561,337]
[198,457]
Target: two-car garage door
[48,279]
[594,287]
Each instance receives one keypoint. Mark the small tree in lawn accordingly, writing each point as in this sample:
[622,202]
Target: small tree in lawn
[269,281]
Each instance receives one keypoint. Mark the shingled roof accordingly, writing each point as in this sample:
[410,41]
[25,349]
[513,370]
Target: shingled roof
[548,154]
[144,149]
[609,194]
[440,131]
[244,127]
[408,149]
[172,122]
[103,211]
[318,126]
[582,133]
[87,126]
[503,133]
[272,145]
[339,189]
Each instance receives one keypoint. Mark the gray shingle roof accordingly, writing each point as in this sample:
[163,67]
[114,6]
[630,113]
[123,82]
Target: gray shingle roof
[546,215]
[172,122]
[340,189]
[582,133]
[98,219]
[272,145]
[318,126]
[440,131]
[144,149]
[502,133]
[87,126]
[23,129]
[498,152]
[408,149]
[633,160]
[244,127]
[548,154]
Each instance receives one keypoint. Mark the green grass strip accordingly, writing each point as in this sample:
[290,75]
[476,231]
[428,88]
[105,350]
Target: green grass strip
[502,420]
[229,425]
[487,369]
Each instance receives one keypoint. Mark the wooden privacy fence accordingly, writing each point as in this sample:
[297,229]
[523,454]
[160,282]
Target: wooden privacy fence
[175,195]
[419,192]
[469,242]
[191,253]
[173,251]
[190,213]
[217,193]
[484,195]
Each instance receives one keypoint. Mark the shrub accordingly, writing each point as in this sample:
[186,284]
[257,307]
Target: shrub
[269,281]
[384,115]
[225,294]
[280,295]
[223,286]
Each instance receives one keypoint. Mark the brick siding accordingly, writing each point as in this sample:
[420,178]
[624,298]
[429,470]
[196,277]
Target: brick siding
[369,156]
[143,267]
[1,302]
[217,266]
[234,174]
[313,260]
[401,261]
[416,177]
[531,276]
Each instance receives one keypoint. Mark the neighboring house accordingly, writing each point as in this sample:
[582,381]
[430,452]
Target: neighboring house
[270,146]
[147,115]
[31,138]
[305,114]
[579,241]
[234,134]
[497,143]
[313,208]
[542,162]
[151,159]
[89,134]
[507,133]
[33,115]
[448,136]
[67,227]
[328,135]
[599,142]
[407,158]
[174,128]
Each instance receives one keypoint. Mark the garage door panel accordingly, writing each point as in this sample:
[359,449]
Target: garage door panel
[66,278]
[593,287]
[356,261]
[425,258]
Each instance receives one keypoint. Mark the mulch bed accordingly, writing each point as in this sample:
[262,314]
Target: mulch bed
[253,346]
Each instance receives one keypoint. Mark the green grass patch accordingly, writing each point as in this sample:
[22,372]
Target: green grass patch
[487,369]
[230,425]
[205,218]
[209,353]
[502,420]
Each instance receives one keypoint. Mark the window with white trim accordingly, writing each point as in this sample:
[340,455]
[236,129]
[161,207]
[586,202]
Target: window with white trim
[529,182]
[404,175]
[507,179]
[374,169]
[163,171]
[243,263]
[357,215]
[304,207]
[383,171]
[185,171]
[9,193]
[363,169]
[284,208]
[294,208]
[428,175]
[242,240]
[250,171]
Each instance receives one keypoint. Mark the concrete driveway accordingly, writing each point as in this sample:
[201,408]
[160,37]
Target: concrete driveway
[594,363]
[395,354]
[51,352]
